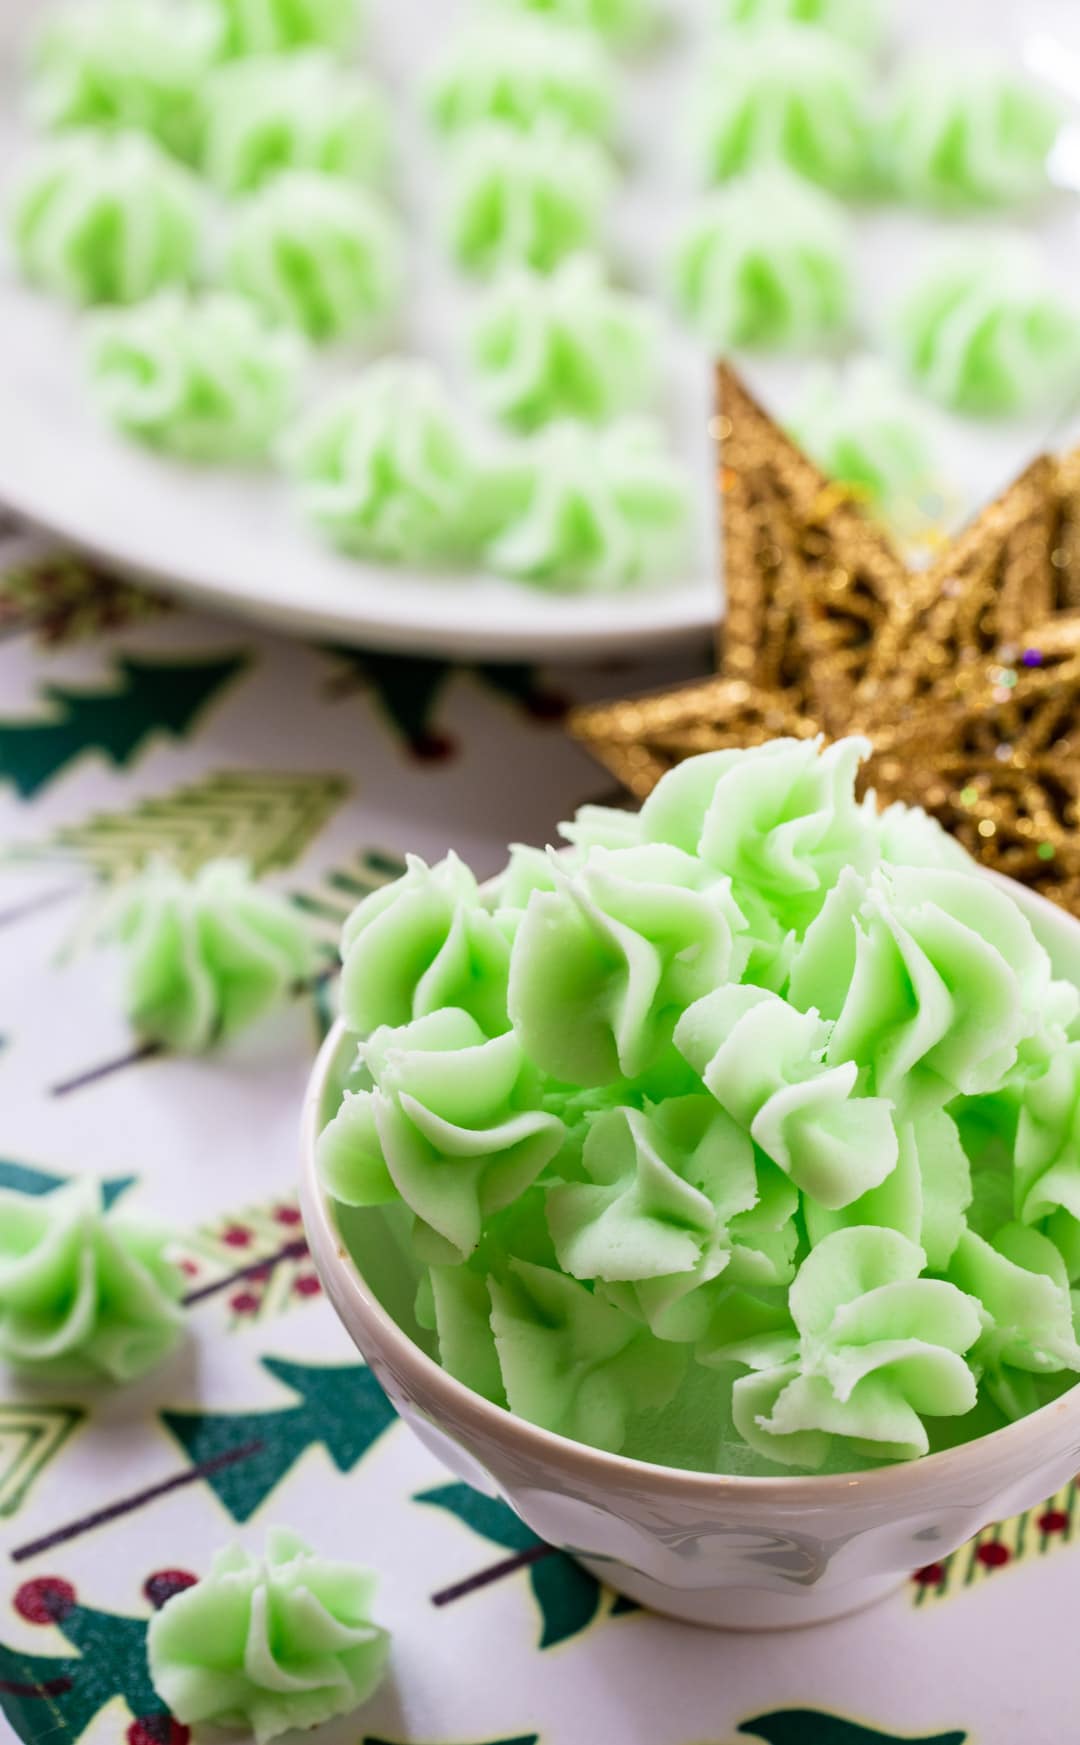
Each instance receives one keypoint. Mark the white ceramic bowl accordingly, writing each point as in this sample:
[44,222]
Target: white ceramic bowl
[741,1553]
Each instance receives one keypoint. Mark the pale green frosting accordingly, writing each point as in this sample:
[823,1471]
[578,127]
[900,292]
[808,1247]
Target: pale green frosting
[84,1293]
[422,943]
[269,1643]
[790,95]
[856,21]
[960,135]
[604,964]
[671,1201]
[523,199]
[207,955]
[258,27]
[984,333]
[765,263]
[452,1127]
[932,985]
[564,345]
[764,1063]
[574,1363]
[297,112]
[136,64]
[384,468]
[522,71]
[863,430]
[105,218]
[585,510]
[741,1134]
[875,1346]
[622,23]
[208,379]
[781,819]
[317,253]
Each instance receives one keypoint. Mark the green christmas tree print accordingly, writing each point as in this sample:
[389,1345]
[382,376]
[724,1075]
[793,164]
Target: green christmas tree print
[26,1178]
[146,697]
[63,600]
[341,1408]
[31,1435]
[265,817]
[408,689]
[811,1727]
[52,1699]
[568,1597]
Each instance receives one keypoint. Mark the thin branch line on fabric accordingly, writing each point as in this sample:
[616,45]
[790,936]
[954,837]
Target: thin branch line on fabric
[494,1572]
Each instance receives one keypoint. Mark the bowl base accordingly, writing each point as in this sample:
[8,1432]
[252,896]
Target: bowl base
[745,1608]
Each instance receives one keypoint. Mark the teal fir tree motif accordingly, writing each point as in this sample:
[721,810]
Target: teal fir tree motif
[340,1408]
[811,1727]
[408,689]
[52,1699]
[568,1597]
[26,1178]
[145,697]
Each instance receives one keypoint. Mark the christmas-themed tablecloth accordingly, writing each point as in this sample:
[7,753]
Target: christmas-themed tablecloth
[128,726]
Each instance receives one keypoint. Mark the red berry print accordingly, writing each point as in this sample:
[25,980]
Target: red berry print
[993,1554]
[288,1215]
[237,1236]
[244,1303]
[931,1576]
[1053,1521]
[48,1600]
[307,1286]
[164,1583]
[157,1730]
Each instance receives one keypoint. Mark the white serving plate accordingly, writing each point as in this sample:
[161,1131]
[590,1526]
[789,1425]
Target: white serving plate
[233,539]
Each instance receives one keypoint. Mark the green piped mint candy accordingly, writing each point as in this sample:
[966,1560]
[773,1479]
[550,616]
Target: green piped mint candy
[268,1644]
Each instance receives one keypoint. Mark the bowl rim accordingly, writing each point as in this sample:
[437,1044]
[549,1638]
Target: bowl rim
[596,1465]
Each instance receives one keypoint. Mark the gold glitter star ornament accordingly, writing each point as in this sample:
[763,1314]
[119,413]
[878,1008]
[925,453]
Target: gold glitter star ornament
[965,676]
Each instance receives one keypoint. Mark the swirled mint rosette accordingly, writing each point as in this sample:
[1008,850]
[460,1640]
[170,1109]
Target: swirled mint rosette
[792,96]
[925,1197]
[208,379]
[663,1212]
[317,254]
[137,64]
[961,135]
[983,333]
[296,112]
[764,1063]
[523,199]
[421,943]
[858,22]
[521,72]
[876,1348]
[765,263]
[586,511]
[452,1127]
[865,432]
[780,820]
[269,1643]
[105,218]
[933,987]
[85,1294]
[1022,1285]
[206,956]
[274,27]
[384,469]
[574,1363]
[603,965]
[564,345]
[621,23]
